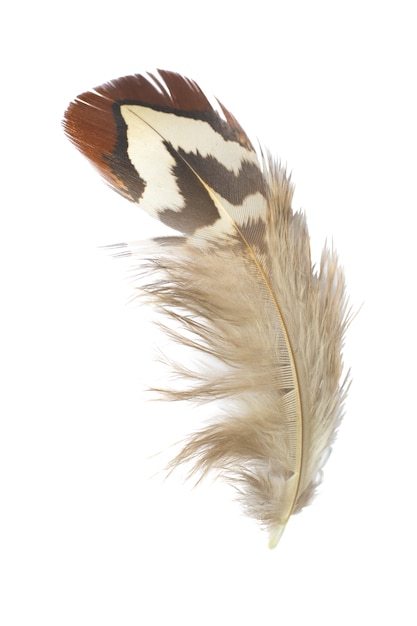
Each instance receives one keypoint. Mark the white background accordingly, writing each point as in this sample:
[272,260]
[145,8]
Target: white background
[88,534]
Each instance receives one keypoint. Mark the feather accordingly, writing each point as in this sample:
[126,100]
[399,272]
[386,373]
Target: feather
[237,282]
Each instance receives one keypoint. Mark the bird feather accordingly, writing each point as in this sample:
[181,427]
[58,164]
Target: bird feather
[236,284]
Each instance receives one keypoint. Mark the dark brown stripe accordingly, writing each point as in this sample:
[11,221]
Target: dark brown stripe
[233,188]
[199,210]
[119,163]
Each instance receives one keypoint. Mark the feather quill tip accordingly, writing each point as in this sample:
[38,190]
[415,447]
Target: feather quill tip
[275,536]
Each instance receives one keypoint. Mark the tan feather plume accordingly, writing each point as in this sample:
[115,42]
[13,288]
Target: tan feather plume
[239,282]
